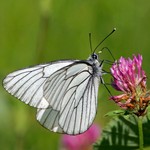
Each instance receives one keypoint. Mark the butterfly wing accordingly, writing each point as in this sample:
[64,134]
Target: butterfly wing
[72,95]
[65,93]
[28,84]
[49,118]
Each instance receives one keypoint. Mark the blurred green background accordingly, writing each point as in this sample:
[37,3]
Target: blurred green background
[39,31]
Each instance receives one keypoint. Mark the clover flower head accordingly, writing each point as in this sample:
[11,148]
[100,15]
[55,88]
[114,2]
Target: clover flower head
[130,78]
[82,141]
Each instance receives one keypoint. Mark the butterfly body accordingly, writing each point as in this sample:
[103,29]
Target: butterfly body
[64,92]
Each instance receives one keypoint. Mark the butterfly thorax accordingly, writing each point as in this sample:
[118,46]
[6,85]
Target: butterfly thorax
[96,65]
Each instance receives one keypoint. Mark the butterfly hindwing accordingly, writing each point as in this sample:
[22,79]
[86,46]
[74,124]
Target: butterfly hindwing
[72,96]
[78,114]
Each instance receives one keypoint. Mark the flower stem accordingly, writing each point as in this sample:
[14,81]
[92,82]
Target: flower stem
[140,127]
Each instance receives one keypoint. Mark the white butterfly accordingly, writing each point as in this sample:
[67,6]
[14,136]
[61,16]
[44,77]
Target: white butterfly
[65,92]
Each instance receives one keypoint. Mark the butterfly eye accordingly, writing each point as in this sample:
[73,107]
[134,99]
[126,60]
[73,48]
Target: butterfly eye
[94,56]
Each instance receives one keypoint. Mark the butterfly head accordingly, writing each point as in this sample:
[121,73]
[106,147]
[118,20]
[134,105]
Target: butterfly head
[93,57]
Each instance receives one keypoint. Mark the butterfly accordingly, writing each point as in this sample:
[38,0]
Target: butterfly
[64,92]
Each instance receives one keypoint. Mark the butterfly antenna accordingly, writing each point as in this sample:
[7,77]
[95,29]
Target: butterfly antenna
[106,48]
[90,41]
[104,39]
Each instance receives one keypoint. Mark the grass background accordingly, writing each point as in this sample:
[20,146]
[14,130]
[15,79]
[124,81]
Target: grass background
[39,31]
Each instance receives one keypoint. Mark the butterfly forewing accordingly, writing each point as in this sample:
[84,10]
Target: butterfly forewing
[49,119]
[27,84]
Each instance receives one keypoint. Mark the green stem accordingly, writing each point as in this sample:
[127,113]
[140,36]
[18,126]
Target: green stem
[44,25]
[140,127]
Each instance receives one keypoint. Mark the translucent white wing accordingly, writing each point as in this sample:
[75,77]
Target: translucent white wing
[28,84]
[72,95]
[49,118]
